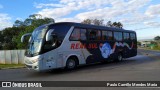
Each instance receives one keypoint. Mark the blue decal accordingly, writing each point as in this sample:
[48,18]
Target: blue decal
[105,50]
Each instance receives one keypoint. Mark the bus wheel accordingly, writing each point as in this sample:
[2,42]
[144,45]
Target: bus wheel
[71,63]
[119,58]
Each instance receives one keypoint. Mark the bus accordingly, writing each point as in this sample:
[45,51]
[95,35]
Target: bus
[68,45]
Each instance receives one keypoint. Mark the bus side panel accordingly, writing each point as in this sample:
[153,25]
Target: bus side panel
[50,60]
[109,50]
[72,48]
[98,52]
[130,51]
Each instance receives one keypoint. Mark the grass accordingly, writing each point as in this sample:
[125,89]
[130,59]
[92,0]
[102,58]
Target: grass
[155,48]
[3,66]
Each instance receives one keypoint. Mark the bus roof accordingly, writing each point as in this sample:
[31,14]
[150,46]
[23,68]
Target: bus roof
[91,26]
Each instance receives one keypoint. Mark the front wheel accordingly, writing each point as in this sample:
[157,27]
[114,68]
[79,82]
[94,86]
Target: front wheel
[71,63]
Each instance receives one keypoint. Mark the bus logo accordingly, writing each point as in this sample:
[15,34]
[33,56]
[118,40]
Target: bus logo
[6,84]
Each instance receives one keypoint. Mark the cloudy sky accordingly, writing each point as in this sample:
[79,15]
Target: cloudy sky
[143,16]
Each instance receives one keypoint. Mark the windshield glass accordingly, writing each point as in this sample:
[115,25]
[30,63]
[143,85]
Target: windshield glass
[35,43]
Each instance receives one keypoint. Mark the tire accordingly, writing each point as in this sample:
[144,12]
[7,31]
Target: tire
[120,57]
[71,63]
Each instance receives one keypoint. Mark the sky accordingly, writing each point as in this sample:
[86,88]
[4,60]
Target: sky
[142,16]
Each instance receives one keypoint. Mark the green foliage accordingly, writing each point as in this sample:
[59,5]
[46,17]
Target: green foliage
[87,21]
[156,42]
[10,38]
[93,21]
[138,43]
[3,66]
[157,38]
[157,47]
[18,23]
[117,24]
[17,39]
[101,23]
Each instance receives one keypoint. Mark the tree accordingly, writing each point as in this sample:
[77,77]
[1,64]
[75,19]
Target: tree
[28,22]
[114,24]
[39,22]
[117,24]
[120,25]
[10,38]
[94,22]
[157,38]
[138,43]
[109,24]
[18,23]
[29,29]
[1,39]
[87,21]
[35,16]
[35,19]
[98,22]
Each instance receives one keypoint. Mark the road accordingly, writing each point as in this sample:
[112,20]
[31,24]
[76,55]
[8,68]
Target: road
[144,67]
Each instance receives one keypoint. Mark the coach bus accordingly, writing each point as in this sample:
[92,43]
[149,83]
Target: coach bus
[69,45]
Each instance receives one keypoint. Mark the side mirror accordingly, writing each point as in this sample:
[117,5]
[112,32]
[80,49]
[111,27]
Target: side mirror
[23,36]
[49,35]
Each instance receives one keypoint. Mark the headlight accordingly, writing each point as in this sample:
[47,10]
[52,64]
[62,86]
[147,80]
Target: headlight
[35,60]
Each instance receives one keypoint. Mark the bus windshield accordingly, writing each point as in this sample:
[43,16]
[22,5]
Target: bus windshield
[35,42]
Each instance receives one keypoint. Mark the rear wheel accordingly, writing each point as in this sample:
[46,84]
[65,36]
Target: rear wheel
[119,58]
[71,63]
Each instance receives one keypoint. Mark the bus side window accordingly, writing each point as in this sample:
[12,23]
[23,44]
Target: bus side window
[107,35]
[75,34]
[126,36]
[78,34]
[118,36]
[98,35]
[110,35]
[94,34]
[132,36]
[83,34]
[104,35]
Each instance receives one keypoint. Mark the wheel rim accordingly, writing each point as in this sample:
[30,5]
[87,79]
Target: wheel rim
[120,57]
[71,64]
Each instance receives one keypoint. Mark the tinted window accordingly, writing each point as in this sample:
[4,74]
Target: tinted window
[98,35]
[78,34]
[83,34]
[132,36]
[126,36]
[94,34]
[75,34]
[107,35]
[60,32]
[118,36]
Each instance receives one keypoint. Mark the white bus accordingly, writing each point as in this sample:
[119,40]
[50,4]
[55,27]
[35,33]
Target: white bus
[69,44]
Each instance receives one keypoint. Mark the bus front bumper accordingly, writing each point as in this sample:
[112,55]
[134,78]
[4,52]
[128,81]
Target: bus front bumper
[32,63]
